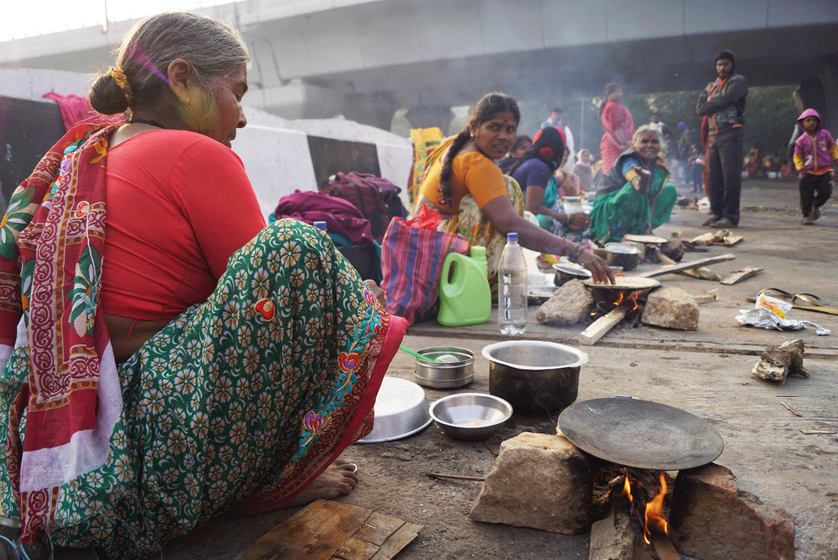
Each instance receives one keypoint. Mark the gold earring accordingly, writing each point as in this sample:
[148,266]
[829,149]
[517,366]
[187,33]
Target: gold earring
[186,103]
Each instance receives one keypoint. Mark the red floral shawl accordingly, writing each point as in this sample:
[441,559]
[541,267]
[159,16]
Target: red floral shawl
[51,246]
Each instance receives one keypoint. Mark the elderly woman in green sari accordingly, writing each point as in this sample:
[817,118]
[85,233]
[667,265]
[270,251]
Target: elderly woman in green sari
[635,197]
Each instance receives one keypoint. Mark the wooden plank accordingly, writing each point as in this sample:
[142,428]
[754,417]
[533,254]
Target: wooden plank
[740,275]
[378,527]
[612,538]
[702,273]
[397,541]
[689,265]
[314,533]
[705,298]
[704,239]
[664,547]
[730,240]
[356,549]
[598,328]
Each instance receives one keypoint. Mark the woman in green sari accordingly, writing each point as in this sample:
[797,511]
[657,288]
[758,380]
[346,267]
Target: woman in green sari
[635,197]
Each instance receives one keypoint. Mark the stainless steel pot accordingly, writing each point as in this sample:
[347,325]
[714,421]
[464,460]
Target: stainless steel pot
[534,376]
[566,273]
[445,375]
[623,254]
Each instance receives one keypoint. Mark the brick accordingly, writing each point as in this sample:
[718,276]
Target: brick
[540,481]
[712,518]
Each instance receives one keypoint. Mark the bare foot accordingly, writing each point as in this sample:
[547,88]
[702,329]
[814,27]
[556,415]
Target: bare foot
[339,479]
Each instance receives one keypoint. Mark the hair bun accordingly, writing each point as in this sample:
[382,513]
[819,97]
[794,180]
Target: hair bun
[106,96]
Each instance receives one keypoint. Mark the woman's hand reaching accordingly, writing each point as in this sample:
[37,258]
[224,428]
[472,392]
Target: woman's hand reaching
[645,178]
[578,221]
[600,271]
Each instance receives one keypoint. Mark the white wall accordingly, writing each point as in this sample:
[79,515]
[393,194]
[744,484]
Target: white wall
[274,150]
[22,82]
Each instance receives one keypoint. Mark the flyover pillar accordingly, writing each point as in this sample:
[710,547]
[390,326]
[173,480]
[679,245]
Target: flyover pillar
[374,109]
[423,116]
[829,78]
[813,95]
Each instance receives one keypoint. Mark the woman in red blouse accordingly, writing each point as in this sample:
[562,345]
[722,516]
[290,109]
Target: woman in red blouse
[618,126]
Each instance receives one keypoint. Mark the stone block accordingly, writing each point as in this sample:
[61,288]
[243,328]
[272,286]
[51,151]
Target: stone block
[570,304]
[672,308]
[540,481]
[712,518]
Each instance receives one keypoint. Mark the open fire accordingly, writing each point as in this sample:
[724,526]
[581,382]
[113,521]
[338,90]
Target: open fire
[635,506]
[631,301]
[653,519]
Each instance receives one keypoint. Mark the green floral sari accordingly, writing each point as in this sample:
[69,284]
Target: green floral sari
[241,401]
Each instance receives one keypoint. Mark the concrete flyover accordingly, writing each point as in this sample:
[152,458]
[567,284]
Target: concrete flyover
[367,58]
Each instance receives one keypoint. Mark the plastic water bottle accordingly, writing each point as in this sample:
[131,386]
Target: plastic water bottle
[512,288]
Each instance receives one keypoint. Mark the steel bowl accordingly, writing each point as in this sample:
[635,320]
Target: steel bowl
[470,416]
[623,254]
[534,376]
[444,375]
[401,410]
[566,273]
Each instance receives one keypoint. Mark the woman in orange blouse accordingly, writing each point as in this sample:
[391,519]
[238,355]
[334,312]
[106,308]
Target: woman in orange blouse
[478,201]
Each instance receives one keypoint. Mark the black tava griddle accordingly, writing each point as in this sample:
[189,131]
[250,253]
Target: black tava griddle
[641,434]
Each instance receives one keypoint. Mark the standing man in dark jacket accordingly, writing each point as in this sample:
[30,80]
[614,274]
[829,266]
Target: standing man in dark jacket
[723,102]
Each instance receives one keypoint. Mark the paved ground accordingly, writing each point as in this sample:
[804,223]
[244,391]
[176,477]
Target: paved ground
[706,372]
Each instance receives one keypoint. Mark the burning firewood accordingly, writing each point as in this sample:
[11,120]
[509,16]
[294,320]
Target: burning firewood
[612,538]
[778,362]
[602,325]
[635,519]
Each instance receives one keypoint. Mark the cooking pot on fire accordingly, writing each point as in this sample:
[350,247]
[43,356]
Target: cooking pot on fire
[623,254]
[622,288]
[641,434]
[534,376]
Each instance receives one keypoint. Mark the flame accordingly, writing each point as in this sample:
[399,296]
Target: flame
[654,514]
[627,489]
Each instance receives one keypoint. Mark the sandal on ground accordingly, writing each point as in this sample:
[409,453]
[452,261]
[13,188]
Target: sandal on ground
[803,299]
[807,221]
[713,218]
[723,223]
[772,292]
[809,302]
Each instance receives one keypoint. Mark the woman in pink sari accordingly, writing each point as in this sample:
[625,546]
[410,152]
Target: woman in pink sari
[618,126]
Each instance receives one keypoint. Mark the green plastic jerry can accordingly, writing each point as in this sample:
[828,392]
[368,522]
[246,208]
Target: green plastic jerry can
[464,293]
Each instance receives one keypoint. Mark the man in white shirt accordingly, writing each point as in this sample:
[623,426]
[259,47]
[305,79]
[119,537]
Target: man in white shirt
[569,144]
[555,118]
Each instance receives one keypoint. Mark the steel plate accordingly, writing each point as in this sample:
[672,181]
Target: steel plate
[654,239]
[641,434]
[630,283]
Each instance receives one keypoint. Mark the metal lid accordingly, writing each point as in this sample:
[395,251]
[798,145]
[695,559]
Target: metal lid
[401,410]
[641,434]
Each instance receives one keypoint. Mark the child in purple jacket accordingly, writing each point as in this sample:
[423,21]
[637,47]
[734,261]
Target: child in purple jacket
[814,153]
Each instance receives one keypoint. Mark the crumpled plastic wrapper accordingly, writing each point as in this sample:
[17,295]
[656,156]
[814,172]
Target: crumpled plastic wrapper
[765,319]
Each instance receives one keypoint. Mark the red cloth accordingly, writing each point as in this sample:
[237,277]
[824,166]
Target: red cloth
[615,116]
[411,264]
[341,216]
[76,110]
[48,275]
[199,208]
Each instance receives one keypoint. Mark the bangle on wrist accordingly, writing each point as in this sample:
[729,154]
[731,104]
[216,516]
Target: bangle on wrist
[575,252]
